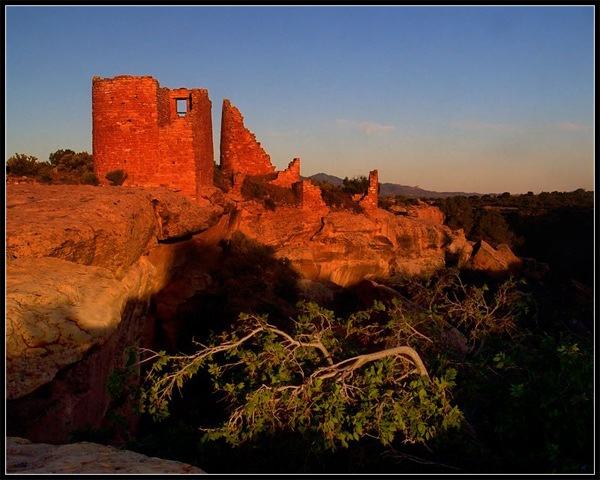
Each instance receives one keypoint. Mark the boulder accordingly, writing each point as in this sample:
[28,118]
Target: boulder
[25,457]
[494,261]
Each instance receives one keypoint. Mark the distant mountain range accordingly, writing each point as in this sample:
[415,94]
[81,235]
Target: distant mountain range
[393,189]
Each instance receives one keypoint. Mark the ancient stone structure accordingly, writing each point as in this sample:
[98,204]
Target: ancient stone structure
[289,176]
[159,137]
[308,195]
[369,201]
[240,151]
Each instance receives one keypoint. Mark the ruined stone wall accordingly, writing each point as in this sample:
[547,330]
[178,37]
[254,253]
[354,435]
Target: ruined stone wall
[370,200]
[289,176]
[240,151]
[308,195]
[203,137]
[136,128]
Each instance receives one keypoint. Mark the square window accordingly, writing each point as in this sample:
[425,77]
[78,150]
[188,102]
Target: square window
[181,107]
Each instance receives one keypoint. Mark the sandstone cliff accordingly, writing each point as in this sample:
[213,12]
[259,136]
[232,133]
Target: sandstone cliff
[85,263]
[78,284]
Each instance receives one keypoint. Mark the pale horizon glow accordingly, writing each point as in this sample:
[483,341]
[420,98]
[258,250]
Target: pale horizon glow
[470,99]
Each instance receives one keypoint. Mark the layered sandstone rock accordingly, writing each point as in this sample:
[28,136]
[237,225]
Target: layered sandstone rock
[57,310]
[84,264]
[78,285]
[345,248]
[25,457]
[426,212]
[108,227]
[422,211]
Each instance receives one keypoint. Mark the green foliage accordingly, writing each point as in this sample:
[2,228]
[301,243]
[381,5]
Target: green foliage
[518,384]
[386,202]
[491,227]
[90,178]
[404,200]
[220,180]
[316,380]
[69,161]
[459,213]
[56,157]
[356,185]
[554,228]
[257,188]
[26,165]
[321,382]
[336,198]
[116,177]
[120,380]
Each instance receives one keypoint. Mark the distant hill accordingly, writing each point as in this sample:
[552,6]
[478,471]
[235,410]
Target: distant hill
[393,189]
[323,177]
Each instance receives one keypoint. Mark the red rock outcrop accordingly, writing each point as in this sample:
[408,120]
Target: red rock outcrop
[427,213]
[345,248]
[25,457]
[494,261]
[240,151]
[108,227]
[136,127]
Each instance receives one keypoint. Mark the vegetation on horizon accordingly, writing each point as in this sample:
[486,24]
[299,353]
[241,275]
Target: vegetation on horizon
[63,166]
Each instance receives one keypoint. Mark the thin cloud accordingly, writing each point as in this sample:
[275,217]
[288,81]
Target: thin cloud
[368,128]
[572,127]
[482,126]
[281,134]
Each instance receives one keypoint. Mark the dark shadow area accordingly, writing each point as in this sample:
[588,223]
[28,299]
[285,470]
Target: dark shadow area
[530,417]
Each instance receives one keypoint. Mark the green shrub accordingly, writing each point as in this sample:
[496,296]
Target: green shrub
[404,200]
[116,177]
[271,196]
[69,161]
[337,198]
[90,178]
[55,157]
[25,165]
[220,180]
[386,202]
[356,185]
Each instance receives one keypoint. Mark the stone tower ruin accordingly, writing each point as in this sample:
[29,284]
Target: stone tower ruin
[160,137]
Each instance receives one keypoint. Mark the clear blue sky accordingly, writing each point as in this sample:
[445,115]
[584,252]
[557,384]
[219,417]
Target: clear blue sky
[488,99]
